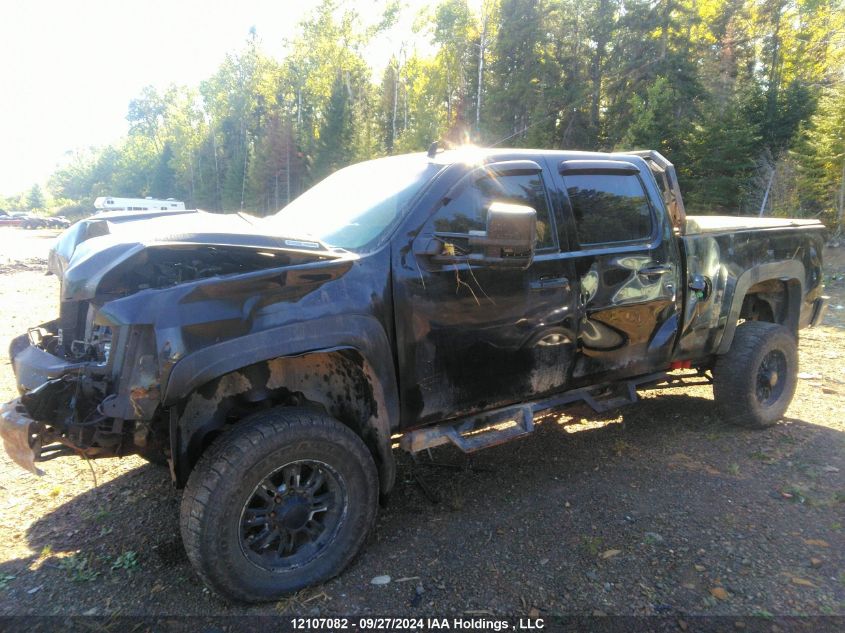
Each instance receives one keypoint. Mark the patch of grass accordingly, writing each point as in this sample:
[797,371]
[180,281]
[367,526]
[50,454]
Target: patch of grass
[299,600]
[5,579]
[762,613]
[592,543]
[79,568]
[55,491]
[127,560]
[733,469]
[620,446]
[46,551]
[760,456]
[96,515]
[798,494]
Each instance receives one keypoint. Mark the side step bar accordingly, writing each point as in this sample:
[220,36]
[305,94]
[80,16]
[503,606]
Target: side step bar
[501,425]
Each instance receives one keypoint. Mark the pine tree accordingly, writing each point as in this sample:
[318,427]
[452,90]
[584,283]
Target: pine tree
[35,200]
[334,145]
[163,184]
[821,157]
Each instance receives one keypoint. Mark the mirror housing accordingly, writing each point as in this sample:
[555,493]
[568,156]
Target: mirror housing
[509,239]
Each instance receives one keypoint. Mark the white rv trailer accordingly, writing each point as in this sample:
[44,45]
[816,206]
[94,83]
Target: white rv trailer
[109,203]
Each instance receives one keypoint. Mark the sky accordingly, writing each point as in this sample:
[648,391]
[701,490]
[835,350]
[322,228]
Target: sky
[70,68]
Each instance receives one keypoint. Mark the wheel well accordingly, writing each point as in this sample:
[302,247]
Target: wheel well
[339,382]
[771,301]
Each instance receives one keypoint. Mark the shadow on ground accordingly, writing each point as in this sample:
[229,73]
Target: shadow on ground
[652,509]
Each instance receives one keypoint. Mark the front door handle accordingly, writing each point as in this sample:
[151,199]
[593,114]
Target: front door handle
[651,271]
[544,283]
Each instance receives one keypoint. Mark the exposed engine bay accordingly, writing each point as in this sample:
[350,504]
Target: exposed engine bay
[93,381]
[160,267]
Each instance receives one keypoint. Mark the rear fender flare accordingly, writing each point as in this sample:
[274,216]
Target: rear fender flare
[790,272]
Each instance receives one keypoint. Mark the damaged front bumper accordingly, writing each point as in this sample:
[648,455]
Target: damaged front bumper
[20,436]
[76,398]
[33,365]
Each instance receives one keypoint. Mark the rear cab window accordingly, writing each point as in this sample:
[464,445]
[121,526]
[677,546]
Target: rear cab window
[609,208]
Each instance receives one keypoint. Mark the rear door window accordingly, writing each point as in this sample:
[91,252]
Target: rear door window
[609,208]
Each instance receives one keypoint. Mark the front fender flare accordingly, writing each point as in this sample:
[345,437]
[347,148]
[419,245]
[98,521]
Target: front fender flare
[363,334]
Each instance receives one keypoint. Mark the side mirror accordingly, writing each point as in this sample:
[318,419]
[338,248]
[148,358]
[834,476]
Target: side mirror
[509,239]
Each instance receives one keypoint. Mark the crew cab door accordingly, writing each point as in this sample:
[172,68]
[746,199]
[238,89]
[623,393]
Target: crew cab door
[627,266]
[470,336]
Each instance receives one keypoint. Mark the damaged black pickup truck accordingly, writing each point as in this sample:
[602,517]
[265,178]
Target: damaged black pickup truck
[274,363]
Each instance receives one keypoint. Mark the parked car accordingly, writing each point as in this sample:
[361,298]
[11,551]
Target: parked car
[442,298]
[7,219]
[33,222]
[58,222]
[49,222]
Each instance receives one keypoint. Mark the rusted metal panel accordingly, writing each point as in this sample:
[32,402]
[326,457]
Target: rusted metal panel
[15,429]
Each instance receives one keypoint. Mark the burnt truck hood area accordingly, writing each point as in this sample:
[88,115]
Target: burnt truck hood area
[117,254]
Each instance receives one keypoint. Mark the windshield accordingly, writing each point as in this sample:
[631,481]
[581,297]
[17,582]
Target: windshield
[356,206]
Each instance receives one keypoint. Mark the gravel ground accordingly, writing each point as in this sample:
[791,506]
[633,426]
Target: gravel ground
[659,508]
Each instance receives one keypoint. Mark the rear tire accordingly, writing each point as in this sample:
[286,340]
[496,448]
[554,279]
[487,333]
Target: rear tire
[283,501]
[754,382]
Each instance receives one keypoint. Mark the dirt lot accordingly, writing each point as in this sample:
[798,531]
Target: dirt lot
[662,509]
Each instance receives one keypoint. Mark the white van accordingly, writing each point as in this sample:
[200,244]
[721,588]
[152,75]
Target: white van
[108,203]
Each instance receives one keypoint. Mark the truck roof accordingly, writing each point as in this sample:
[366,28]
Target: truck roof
[471,153]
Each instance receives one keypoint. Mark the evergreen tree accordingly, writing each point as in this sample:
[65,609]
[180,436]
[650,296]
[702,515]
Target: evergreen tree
[334,146]
[743,95]
[724,149]
[821,156]
[163,183]
[35,199]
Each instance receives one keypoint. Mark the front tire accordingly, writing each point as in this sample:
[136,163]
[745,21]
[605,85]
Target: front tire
[754,382]
[283,501]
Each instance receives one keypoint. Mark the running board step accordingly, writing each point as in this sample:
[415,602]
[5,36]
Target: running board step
[501,425]
[473,434]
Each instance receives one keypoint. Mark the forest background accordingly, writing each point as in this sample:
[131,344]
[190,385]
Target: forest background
[746,97]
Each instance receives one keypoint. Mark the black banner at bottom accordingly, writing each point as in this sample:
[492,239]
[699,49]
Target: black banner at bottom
[464,624]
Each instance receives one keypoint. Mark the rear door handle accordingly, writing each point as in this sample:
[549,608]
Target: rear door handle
[652,271]
[544,283]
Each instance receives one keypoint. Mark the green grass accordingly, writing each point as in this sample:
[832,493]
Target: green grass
[593,544]
[127,560]
[79,568]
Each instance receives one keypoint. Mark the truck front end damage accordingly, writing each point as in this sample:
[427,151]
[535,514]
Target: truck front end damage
[92,379]
[94,394]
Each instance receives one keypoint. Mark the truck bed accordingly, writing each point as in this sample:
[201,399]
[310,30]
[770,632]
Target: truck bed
[700,224]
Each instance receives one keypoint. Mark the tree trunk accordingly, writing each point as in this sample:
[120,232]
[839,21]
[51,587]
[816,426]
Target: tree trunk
[596,71]
[219,201]
[766,194]
[664,28]
[841,210]
[395,105]
[481,44]
[243,180]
